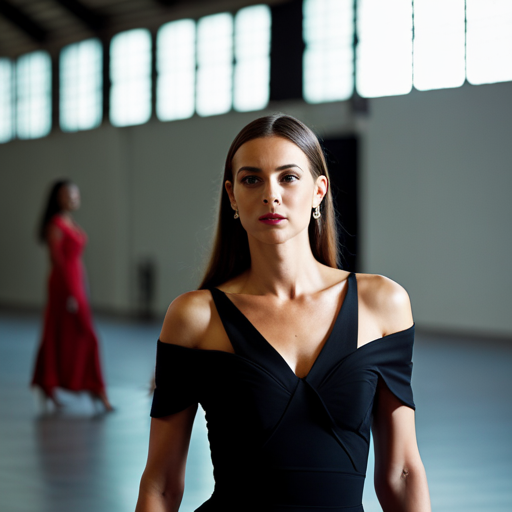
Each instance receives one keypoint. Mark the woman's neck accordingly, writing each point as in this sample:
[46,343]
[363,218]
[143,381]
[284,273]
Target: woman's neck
[285,270]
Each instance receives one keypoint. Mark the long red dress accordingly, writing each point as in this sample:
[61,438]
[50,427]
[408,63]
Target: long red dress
[68,356]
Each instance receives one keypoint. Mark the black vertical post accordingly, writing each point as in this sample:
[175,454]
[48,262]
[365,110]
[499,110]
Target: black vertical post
[287,49]
[342,160]
[154,74]
[14,99]
[146,273]
[359,104]
[55,91]
[105,42]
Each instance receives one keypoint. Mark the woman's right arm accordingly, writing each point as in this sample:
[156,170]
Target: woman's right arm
[54,240]
[163,480]
[186,323]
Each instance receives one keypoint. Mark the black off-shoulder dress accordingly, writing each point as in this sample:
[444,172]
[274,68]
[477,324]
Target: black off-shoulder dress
[280,443]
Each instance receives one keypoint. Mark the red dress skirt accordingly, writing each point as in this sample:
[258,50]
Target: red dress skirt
[68,356]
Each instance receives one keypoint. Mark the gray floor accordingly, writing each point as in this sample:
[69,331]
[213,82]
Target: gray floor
[79,460]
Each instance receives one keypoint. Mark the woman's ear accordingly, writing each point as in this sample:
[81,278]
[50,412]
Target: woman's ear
[229,189]
[321,187]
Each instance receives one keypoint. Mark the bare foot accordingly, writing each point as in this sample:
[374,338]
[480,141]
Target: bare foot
[102,397]
[50,397]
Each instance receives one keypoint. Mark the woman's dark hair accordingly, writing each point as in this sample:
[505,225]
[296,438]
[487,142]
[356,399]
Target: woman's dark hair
[230,254]
[52,207]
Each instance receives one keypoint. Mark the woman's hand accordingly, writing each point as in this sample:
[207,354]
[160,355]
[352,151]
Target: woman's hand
[71,304]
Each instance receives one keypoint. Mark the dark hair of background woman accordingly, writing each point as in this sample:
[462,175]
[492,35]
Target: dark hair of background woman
[230,255]
[52,207]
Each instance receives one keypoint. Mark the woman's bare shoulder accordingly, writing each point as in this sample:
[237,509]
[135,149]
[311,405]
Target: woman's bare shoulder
[187,319]
[386,300]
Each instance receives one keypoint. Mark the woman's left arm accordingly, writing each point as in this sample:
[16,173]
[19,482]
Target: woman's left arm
[400,478]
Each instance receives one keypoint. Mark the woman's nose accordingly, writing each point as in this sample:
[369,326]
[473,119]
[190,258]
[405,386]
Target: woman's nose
[271,199]
[271,196]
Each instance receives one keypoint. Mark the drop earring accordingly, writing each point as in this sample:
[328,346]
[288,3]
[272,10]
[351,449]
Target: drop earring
[236,216]
[316,212]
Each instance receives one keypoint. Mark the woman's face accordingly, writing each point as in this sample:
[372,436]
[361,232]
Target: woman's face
[273,189]
[69,198]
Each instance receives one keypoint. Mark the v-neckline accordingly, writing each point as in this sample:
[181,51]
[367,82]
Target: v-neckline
[276,353]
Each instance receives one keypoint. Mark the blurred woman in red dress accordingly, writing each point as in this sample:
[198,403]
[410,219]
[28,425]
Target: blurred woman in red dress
[68,356]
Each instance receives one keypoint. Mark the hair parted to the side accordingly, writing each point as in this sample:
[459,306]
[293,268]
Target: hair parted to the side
[52,207]
[230,253]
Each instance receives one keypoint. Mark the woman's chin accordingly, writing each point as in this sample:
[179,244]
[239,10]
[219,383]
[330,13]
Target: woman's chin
[275,237]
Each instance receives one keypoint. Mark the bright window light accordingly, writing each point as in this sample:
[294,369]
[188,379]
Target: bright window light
[439,44]
[33,101]
[215,64]
[176,67]
[81,82]
[489,41]
[6,101]
[130,75]
[384,50]
[252,53]
[328,29]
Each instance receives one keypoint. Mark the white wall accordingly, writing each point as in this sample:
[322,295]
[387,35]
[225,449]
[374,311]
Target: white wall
[435,208]
[437,203]
[95,160]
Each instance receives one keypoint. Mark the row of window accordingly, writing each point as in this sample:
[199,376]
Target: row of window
[223,61]
[206,67]
[428,44]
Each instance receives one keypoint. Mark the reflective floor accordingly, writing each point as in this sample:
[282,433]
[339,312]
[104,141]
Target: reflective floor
[82,460]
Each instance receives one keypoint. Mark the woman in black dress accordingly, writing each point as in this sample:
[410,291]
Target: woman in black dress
[292,359]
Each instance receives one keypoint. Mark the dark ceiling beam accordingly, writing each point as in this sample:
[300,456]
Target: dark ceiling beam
[24,22]
[90,18]
[167,3]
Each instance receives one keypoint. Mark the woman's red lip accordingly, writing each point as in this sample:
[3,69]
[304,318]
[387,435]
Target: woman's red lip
[271,216]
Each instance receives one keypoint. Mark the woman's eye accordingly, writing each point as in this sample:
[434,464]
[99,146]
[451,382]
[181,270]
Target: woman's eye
[249,180]
[289,178]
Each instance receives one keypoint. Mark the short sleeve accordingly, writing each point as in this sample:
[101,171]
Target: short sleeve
[176,379]
[395,365]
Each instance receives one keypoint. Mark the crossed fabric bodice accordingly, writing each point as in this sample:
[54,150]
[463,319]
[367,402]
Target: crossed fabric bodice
[279,442]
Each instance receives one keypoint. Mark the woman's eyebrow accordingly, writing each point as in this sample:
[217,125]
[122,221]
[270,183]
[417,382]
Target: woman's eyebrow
[248,168]
[257,169]
[287,166]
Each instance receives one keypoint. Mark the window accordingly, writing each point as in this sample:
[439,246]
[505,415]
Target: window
[130,74]
[33,95]
[489,41]
[328,30]
[215,64]
[176,67]
[252,53]
[439,44]
[384,50]
[6,100]
[81,81]
[217,83]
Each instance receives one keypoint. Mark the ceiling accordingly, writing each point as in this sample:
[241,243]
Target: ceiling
[28,25]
